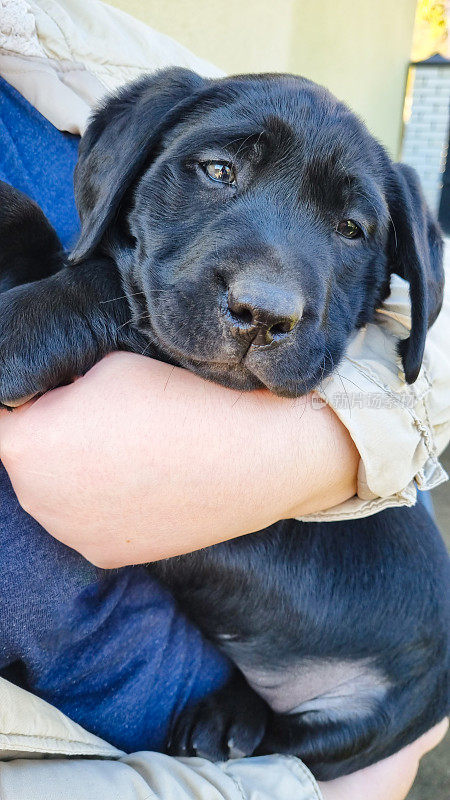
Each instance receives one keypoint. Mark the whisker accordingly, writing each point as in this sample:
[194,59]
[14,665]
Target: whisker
[395,231]
[146,348]
[168,378]
[130,320]
[239,139]
[122,297]
[340,378]
[237,399]
[361,194]
[124,324]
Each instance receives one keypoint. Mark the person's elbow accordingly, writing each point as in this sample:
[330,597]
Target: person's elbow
[100,559]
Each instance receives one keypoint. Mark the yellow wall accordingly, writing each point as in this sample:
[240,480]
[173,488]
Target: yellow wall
[358,48]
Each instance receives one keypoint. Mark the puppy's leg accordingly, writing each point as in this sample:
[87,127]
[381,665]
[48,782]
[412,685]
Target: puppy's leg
[328,731]
[341,628]
[229,723]
[57,328]
[29,246]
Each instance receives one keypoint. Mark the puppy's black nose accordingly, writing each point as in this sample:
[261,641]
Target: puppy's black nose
[263,312]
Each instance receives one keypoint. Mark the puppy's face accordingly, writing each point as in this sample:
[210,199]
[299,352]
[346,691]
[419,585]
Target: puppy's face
[257,213]
[260,236]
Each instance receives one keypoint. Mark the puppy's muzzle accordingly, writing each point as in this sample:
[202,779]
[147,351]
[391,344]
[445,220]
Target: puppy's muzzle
[262,313]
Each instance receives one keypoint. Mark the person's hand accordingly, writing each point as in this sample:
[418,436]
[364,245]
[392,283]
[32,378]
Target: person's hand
[139,460]
[390,779]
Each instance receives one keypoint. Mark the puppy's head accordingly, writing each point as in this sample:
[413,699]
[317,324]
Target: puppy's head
[256,223]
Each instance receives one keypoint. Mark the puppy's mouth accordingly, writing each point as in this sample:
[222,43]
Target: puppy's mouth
[239,374]
[241,377]
[234,374]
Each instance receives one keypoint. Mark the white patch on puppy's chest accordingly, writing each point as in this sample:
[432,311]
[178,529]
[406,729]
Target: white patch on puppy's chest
[334,689]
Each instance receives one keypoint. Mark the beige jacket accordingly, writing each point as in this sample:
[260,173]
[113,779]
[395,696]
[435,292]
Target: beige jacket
[46,756]
[64,56]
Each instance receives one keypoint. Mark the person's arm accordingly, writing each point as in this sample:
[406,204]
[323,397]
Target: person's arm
[390,779]
[139,461]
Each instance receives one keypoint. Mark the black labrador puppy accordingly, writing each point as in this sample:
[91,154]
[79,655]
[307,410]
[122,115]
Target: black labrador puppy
[243,228]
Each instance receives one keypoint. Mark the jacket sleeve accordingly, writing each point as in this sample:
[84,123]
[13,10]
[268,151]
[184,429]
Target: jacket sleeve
[399,429]
[44,754]
[153,776]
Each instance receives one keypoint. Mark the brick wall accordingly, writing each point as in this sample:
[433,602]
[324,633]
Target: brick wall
[426,133]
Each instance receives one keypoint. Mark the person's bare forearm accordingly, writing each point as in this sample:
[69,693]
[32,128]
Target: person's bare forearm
[139,461]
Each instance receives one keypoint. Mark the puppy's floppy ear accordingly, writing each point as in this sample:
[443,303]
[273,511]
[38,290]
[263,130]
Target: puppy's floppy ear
[119,142]
[415,251]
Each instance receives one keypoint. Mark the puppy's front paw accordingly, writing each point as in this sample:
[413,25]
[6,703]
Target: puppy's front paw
[227,724]
[44,342]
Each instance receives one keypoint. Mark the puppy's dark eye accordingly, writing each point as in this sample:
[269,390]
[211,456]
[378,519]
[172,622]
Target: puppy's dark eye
[220,172]
[349,229]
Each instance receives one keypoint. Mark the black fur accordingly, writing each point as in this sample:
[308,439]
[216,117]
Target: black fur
[251,285]
[183,246]
[371,590]
[29,247]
